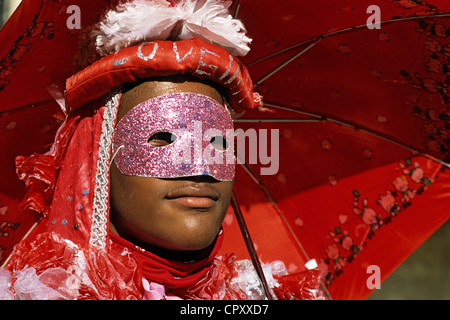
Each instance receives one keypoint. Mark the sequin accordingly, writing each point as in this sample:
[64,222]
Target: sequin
[194,119]
[117,63]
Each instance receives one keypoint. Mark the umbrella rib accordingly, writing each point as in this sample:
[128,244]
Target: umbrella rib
[249,244]
[274,54]
[22,108]
[281,51]
[275,106]
[272,120]
[281,66]
[320,38]
[238,5]
[24,237]
[391,140]
[324,118]
[258,181]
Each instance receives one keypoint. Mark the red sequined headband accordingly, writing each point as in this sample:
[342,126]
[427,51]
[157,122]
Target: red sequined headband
[164,58]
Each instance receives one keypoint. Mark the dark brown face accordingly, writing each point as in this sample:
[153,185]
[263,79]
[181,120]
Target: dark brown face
[174,214]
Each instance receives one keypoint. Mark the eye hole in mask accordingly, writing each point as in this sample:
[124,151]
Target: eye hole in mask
[161,139]
[219,143]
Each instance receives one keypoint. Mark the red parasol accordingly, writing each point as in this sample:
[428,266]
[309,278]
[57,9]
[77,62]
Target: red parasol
[363,120]
[362,116]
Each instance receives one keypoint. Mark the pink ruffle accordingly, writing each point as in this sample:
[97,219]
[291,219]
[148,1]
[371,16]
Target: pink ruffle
[156,291]
[5,285]
[52,284]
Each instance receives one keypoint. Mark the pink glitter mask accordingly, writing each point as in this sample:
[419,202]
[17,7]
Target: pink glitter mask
[202,130]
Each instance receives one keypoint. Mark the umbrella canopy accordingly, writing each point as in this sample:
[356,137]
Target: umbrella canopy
[363,120]
[35,59]
[362,117]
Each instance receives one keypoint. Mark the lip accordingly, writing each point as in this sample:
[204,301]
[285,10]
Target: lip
[194,196]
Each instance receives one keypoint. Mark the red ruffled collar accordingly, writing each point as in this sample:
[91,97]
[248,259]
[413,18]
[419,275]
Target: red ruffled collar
[172,274]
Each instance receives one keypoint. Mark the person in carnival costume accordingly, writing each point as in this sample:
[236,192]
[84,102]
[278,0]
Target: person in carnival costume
[131,192]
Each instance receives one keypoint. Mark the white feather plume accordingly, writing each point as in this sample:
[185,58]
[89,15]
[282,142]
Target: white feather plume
[148,20]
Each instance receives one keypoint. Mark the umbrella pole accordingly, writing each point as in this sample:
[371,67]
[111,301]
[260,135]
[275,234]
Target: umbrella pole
[249,243]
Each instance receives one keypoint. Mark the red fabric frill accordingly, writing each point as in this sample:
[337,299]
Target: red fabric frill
[299,286]
[208,279]
[110,275]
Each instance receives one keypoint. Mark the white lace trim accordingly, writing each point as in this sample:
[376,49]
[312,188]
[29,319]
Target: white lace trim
[99,227]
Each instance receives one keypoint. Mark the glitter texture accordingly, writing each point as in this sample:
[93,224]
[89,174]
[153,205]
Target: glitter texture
[194,119]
